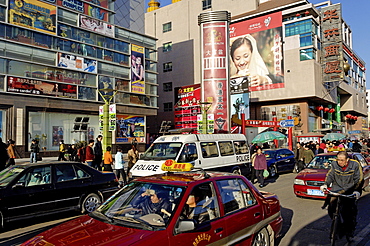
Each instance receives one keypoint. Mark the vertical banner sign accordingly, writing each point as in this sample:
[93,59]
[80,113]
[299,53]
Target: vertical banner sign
[215,86]
[200,123]
[187,106]
[210,123]
[137,69]
[331,26]
[101,111]
[112,117]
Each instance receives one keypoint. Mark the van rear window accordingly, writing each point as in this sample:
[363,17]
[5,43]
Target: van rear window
[226,148]
[209,149]
[241,147]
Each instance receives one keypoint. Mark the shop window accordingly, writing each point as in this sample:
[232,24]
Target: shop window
[167,47]
[121,59]
[307,54]
[67,16]
[167,107]
[167,86]
[122,46]
[86,93]
[207,4]
[167,27]
[167,67]
[2,13]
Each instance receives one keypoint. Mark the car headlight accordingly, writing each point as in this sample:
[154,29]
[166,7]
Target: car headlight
[298,182]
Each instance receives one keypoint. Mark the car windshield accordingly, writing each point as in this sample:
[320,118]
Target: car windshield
[8,174]
[162,151]
[321,162]
[141,205]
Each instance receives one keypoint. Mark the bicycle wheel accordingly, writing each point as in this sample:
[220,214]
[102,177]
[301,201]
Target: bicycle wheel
[334,229]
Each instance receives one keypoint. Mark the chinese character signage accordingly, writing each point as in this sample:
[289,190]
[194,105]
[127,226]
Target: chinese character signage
[256,54]
[215,87]
[332,47]
[187,106]
[112,117]
[36,15]
[137,69]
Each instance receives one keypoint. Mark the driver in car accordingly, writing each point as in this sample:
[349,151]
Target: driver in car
[153,202]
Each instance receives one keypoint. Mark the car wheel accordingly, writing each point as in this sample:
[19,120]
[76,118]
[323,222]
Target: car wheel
[90,203]
[273,171]
[237,171]
[262,238]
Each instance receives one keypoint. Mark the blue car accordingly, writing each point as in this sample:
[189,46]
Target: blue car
[279,161]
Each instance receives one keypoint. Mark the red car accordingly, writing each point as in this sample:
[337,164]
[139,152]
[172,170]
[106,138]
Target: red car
[229,210]
[307,183]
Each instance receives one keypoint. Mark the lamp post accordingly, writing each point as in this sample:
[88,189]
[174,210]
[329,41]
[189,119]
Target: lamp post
[204,107]
[107,95]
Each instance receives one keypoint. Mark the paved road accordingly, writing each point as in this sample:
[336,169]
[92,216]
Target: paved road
[305,223]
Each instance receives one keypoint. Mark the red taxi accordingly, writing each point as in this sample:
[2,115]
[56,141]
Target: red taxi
[307,183]
[185,208]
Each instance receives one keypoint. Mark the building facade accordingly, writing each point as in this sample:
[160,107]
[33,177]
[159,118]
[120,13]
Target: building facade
[306,65]
[57,59]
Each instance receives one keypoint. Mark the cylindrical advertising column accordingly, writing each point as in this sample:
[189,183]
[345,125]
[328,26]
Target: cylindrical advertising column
[214,28]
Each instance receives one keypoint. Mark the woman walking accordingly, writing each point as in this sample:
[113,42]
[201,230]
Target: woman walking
[260,164]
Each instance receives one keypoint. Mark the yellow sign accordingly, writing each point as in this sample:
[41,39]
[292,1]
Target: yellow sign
[173,166]
[201,237]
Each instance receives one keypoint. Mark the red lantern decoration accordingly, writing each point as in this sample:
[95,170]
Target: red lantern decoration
[348,116]
[297,15]
[355,117]
[352,117]
[331,110]
[326,109]
[319,108]
[307,12]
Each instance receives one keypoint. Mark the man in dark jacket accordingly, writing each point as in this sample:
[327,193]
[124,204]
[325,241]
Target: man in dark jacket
[153,202]
[345,177]
[34,150]
[98,151]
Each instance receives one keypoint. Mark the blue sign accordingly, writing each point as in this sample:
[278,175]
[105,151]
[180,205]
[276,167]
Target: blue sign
[286,123]
[354,132]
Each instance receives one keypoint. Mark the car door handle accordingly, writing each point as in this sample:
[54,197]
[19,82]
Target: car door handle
[257,214]
[219,230]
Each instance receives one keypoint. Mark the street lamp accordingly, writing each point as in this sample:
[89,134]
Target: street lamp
[204,106]
[107,95]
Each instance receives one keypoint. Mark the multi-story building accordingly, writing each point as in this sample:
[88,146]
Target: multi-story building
[130,14]
[55,59]
[306,61]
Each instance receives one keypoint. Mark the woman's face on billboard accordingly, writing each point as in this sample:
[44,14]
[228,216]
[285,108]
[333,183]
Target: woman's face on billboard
[242,57]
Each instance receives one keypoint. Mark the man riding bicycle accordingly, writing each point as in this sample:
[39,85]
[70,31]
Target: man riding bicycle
[345,177]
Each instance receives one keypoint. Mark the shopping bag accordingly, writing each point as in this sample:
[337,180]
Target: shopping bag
[266,173]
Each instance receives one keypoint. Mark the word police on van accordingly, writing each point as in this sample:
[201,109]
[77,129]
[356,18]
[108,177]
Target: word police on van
[219,152]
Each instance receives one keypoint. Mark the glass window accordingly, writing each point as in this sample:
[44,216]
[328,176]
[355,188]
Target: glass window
[3,63]
[19,68]
[122,98]
[307,54]
[207,4]
[67,16]
[151,78]
[241,147]
[86,93]
[189,153]
[2,30]
[42,40]
[150,65]
[65,173]
[18,51]
[300,27]
[167,107]
[122,46]
[121,58]
[162,151]
[167,67]
[167,27]
[122,85]
[226,148]
[306,39]
[2,88]
[37,176]
[201,204]
[2,13]
[209,149]
[150,54]
[43,56]
[167,47]
[167,86]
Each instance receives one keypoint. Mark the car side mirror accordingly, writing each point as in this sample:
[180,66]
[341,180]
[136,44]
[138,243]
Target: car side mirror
[19,184]
[185,225]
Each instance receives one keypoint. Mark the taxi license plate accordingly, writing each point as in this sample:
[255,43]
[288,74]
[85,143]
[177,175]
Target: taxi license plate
[315,192]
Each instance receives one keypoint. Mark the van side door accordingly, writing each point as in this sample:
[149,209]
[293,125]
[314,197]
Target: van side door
[189,154]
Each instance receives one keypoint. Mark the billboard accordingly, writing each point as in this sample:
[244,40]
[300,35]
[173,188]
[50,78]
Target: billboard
[97,26]
[35,15]
[77,63]
[72,4]
[137,69]
[187,106]
[129,127]
[38,87]
[256,55]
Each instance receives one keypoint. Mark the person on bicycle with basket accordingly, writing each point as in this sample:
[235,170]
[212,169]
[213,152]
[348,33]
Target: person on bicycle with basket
[345,177]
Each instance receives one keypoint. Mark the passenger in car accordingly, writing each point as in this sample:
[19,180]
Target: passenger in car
[153,202]
[195,208]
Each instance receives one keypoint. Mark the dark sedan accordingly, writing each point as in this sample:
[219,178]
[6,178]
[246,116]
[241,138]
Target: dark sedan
[279,160]
[30,190]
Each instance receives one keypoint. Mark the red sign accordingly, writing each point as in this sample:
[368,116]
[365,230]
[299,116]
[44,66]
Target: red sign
[187,107]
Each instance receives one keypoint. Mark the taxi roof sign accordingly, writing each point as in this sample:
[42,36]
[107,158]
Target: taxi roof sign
[173,166]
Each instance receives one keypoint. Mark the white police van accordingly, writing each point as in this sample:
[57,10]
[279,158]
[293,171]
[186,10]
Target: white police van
[219,152]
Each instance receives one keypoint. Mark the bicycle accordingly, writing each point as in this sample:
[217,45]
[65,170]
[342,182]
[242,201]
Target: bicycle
[337,219]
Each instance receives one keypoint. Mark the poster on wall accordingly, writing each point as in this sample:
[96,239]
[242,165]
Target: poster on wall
[38,87]
[137,69]
[35,15]
[130,127]
[86,93]
[105,87]
[90,133]
[58,135]
[95,12]
[77,63]
[97,26]
[256,52]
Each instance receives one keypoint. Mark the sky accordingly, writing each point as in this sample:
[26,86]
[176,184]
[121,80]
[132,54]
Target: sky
[355,13]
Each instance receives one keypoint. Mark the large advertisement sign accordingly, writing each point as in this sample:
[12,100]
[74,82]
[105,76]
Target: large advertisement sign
[215,86]
[94,25]
[96,12]
[77,63]
[331,26]
[38,87]
[187,106]
[72,4]
[130,127]
[33,14]
[137,69]
[256,55]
